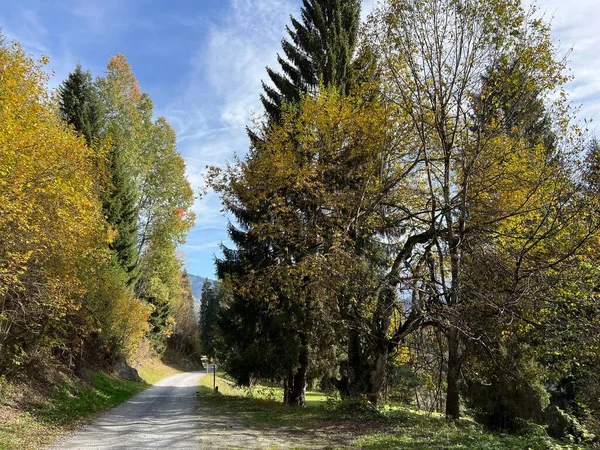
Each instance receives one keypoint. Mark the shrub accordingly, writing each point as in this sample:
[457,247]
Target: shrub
[507,405]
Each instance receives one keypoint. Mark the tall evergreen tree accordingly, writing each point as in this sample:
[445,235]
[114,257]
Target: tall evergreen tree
[80,105]
[257,341]
[319,50]
[209,307]
[122,213]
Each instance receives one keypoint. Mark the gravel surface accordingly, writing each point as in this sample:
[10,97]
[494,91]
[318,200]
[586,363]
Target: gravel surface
[164,416]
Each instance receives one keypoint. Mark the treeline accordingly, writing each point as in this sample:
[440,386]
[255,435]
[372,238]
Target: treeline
[93,204]
[417,218]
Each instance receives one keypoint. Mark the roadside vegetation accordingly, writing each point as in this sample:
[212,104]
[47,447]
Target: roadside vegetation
[93,204]
[327,422]
[33,416]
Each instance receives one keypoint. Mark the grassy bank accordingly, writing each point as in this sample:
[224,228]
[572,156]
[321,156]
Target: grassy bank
[338,425]
[31,418]
[153,371]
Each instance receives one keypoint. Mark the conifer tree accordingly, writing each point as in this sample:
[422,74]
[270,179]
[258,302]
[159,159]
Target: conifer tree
[319,50]
[256,341]
[122,214]
[209,306]
[80,105]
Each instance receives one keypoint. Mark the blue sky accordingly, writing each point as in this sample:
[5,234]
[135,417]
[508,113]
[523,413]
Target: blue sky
[202,62]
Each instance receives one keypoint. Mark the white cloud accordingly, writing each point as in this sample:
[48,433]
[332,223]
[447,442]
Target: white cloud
[221,92]
[575,25]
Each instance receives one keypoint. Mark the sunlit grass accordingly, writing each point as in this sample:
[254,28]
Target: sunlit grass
[261,405]
[72,403]
[395,427]
[154,371]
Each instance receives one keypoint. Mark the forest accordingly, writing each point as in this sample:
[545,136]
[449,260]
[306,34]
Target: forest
[415,221]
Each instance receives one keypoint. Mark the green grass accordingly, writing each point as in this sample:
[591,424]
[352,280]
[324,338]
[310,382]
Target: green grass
[76,400]
[156,371]
[417,430]
[71,404]
[396,427]
[261,406]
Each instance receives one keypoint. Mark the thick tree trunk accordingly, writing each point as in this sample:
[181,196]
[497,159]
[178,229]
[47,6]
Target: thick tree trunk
[361,377]
[355,372]
[453,377]
[378,375]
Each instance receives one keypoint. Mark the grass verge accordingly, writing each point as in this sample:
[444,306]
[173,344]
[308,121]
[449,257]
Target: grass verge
[261,406]
[30,419]
[155,370]
[341,427]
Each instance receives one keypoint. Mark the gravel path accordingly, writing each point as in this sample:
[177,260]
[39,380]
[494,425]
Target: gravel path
[164,416]
[169,416]
[221,432]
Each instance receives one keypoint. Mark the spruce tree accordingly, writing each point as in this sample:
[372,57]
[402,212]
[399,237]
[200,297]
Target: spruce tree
[209,308]
[257,341]
[319,50]
[121,210]
[79,104]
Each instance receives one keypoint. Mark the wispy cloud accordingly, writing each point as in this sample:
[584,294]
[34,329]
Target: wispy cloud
[218,97]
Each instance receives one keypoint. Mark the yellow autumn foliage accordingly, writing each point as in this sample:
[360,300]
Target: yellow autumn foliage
[50,213]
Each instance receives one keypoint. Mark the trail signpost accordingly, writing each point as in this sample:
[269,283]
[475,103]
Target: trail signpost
[205,360]
[215,388]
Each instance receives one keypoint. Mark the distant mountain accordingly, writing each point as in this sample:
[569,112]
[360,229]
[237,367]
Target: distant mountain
[197,283]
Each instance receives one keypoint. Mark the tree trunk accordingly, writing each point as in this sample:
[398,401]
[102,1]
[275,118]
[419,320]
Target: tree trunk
[300,380]
[360,376]
[453,377]
[378,374]
[288,387]
[354,372]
